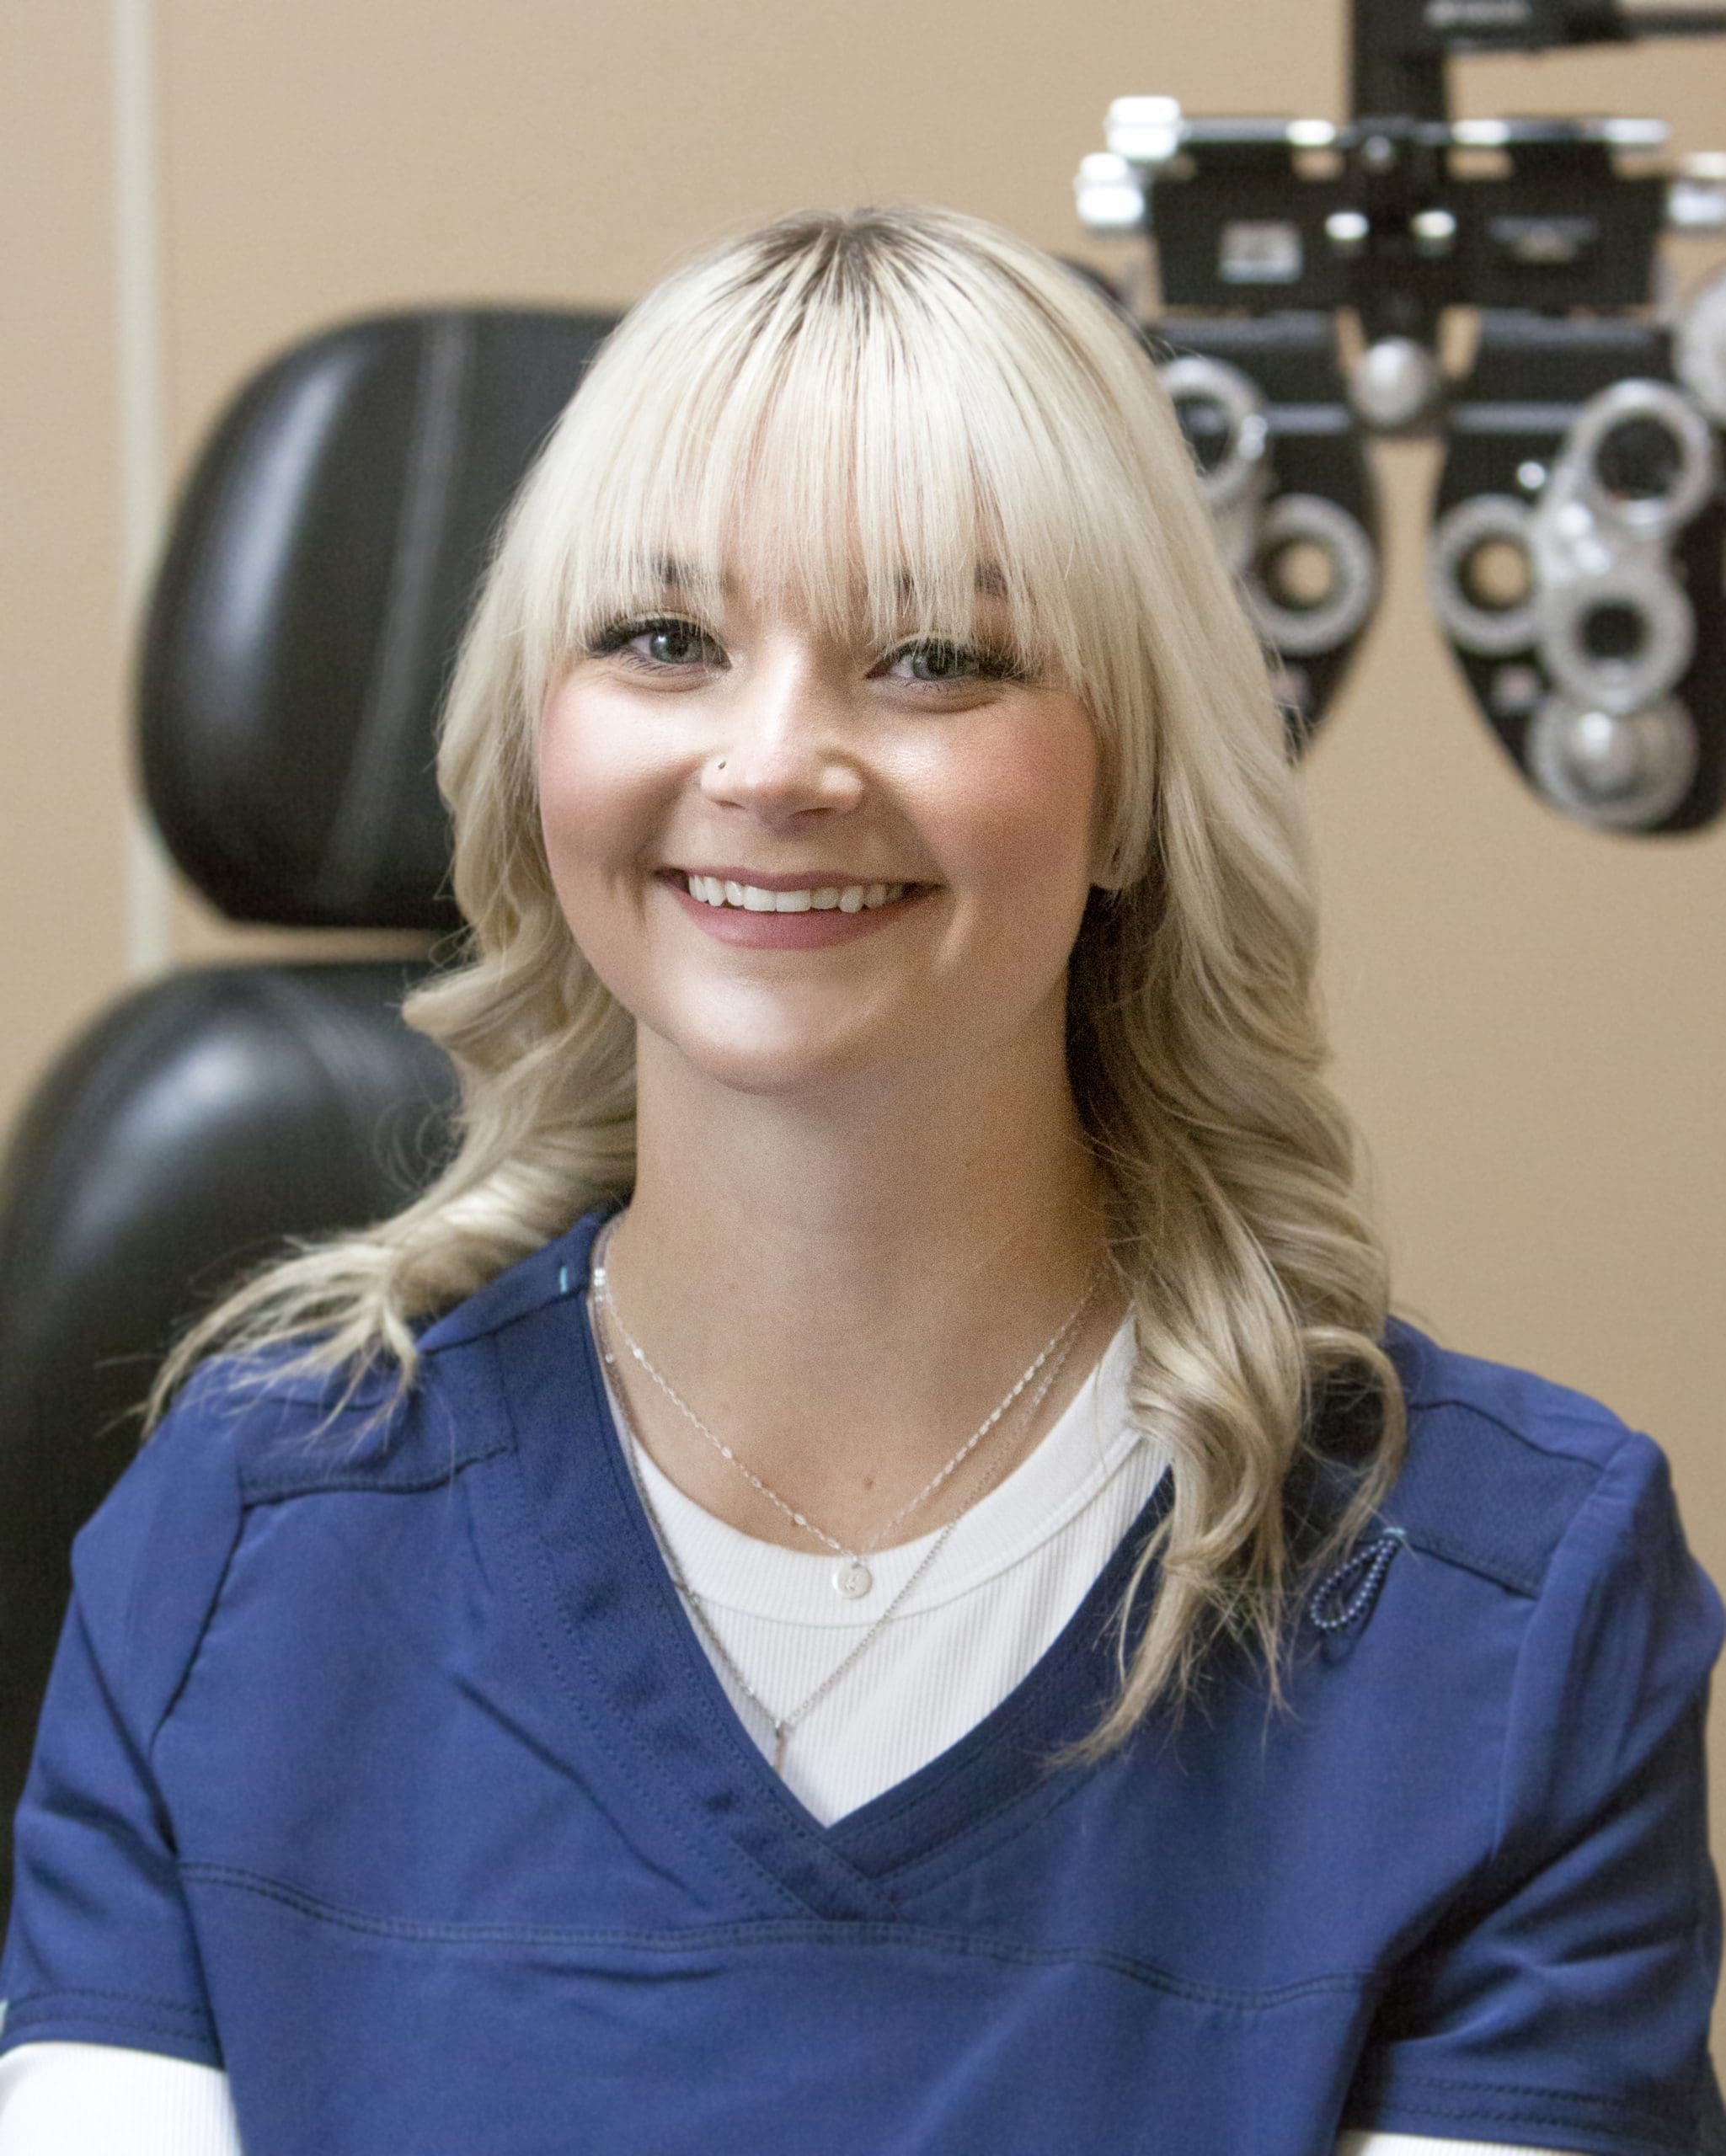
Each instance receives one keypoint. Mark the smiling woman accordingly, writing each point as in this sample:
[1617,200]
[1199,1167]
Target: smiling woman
[872,1564]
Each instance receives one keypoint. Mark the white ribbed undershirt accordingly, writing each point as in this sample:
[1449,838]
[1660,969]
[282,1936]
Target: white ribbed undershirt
[1010,1576]
[1016,1566]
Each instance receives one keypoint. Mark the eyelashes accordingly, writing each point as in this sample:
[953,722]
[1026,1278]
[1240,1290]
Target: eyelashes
[616,640]
[987,662]
[976,660]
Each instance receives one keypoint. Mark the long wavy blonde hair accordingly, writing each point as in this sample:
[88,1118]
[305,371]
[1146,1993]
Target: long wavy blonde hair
[922,392]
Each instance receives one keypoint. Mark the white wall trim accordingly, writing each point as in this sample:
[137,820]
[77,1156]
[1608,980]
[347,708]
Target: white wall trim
[138,345]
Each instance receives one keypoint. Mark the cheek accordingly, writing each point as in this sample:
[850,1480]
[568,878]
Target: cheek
[597,791]
[1018,813]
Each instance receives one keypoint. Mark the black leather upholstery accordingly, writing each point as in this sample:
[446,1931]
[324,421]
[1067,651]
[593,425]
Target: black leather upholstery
[174,1141]
[320,566]
[308,604]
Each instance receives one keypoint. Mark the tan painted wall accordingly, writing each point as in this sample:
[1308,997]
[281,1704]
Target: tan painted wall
[1530,1020]
[63,771]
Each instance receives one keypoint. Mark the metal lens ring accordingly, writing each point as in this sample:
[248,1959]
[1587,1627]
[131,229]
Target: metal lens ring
[1314,520]
[1622,770]
[1464,530]
[1635,604]
[1699,346]
[1192,379]
[1656,438]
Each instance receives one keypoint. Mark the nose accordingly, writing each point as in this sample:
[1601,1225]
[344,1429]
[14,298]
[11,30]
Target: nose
[784,750]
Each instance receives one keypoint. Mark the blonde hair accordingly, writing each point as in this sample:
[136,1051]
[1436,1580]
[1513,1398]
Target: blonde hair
[920,394]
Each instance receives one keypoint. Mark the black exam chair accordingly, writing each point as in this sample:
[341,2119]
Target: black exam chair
[299,640]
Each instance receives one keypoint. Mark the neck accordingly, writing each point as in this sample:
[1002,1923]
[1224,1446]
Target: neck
[843,1288]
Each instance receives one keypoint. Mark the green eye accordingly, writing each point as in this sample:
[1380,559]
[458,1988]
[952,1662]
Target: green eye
[938,663]
[662,642]
[676,643]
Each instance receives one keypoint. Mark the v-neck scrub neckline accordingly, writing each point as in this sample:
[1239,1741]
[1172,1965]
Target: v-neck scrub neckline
[847,1698]
[657,1682]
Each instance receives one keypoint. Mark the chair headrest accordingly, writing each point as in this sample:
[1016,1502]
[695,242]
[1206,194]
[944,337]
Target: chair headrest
[305,616]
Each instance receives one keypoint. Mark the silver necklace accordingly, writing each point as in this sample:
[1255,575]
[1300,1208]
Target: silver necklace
[783,1724]
[852,1577]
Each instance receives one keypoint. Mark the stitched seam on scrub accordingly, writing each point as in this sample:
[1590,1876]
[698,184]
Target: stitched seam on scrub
[35,2003]
[528,1547]
[770,1931]
[708,1698]
[218,1588]
[1428,2092]
[1604,1421]
[1031,1802]
[345,1485]
[1502,1854]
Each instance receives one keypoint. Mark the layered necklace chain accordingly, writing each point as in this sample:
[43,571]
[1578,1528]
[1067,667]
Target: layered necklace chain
[1050,1362]
[782,1725]
[852,1577]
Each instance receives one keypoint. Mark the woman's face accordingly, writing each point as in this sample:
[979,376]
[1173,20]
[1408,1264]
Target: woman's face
[909,831]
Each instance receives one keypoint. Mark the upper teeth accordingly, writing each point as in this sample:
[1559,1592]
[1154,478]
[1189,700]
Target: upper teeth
[849,897]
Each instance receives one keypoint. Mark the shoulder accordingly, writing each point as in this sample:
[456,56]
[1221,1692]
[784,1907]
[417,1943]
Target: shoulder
[1502,1463]
[275,1430]
[248,1431]
[1534,1506]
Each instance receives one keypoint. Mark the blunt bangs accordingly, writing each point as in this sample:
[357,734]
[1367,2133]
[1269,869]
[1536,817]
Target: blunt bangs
[854,435]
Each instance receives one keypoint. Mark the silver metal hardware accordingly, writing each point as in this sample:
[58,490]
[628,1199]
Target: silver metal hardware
[1621,771]
[1611,128]
[1514,690]
[1616,628]
[1352,562]
[1693,207]
[1109,194]
[1346,230]
[1465,530]
[1699,348]
[1259,251]
[1394,383]
[1238,469]
[1648,413]
[1144,130]
[1616,640]
[1435,233]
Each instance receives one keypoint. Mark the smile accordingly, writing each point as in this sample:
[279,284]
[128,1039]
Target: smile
[807,916]
[824,898]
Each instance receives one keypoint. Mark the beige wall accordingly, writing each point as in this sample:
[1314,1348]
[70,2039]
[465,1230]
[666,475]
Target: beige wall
[63,774]
[1531,1019]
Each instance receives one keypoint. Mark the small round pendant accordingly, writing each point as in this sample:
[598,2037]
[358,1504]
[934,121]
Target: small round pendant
[853,1579]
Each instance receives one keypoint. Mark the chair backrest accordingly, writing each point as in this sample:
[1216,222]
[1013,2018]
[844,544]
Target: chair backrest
[311,596]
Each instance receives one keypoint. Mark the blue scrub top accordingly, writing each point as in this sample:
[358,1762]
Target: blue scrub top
[384,1769]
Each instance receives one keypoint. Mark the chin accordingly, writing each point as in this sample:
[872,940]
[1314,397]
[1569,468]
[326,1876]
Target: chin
[776,1054]
[780,1072]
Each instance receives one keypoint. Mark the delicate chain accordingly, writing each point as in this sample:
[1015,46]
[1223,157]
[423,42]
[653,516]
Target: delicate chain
[783,1724]
[602,1291]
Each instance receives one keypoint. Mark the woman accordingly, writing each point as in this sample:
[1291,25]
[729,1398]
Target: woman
[942,1612]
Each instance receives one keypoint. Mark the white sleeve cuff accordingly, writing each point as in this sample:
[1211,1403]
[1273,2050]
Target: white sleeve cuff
[102,2099]
[1399,2144]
